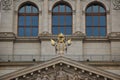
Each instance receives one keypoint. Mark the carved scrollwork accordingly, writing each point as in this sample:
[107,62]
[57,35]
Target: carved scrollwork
[6,4]
[116,4]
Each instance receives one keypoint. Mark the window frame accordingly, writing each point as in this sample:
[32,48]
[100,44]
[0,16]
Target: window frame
[31,15]
[65,14]
[93,14]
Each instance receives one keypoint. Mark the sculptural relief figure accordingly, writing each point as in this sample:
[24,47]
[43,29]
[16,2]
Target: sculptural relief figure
[76,77]
[45,77]
[61,75]
[61,44]
[38,77]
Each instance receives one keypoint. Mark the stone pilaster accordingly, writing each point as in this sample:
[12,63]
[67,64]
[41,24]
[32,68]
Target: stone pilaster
[45,16]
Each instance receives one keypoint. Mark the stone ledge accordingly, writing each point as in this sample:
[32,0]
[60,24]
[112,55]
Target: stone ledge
[76,36]
[96,38]
[7,36]
[30,63]
[114,36]
[27,39]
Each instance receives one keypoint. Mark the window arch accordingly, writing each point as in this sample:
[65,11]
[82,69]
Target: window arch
[96,20]
[28,20]
[62,18]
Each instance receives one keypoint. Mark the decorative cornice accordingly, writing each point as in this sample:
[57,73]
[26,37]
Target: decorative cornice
[28,39]
[76,36]
[7,36]
[114,35]
[65,65]
[47,36]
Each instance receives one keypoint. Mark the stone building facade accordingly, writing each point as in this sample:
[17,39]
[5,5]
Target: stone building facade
[103,45]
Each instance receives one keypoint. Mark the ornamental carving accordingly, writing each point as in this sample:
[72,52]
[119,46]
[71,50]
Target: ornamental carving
[61,44]
[45,33]
[60,68]
[60,74]
[6,4]
[7,36]
[114,35]
[116,4]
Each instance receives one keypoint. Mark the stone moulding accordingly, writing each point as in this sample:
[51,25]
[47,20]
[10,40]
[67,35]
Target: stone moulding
[76,36]
[47,36]
[7,36]
[60,65]
[114,36]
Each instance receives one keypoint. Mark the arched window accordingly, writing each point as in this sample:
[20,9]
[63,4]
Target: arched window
[62,19]
[96,20]
[28,20]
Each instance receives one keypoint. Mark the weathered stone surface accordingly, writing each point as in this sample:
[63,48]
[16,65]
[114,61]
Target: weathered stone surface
[60,68]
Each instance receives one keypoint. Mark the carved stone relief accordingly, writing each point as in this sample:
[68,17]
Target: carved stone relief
[6,4]
[60,72]
[116,4]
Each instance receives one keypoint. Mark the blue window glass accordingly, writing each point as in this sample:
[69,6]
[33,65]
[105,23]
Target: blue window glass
[28,9]
[88,20]
[68,30]
[89,9]
[62,8]
[102,9]
[62,29]
[34,10]
[62,19]
[102,20]
[95,8]
[55,20]
[68,9]
[55,30]
[21,31]
[22,10]
[21,21]
[35,21]
[55,9]
[103,31]
[28,20]
[28,31]
[89,31]
[96,31]
[68,20]
[34,31]
[95,20]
